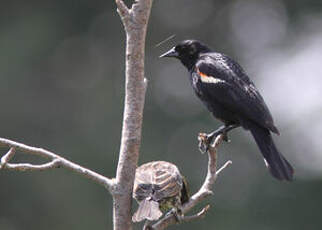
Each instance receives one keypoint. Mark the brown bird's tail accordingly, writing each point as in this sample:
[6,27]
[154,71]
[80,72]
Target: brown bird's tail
[278,166]
[148,209]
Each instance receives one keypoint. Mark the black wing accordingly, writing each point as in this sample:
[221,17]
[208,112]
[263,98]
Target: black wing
[225,81]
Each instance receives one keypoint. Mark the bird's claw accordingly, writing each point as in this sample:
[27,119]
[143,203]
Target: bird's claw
[177,213]
[225,137]
[203,147]
[205,140]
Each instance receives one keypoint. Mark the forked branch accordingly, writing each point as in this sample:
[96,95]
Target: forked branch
[204,191]
[55,161]
[135,21]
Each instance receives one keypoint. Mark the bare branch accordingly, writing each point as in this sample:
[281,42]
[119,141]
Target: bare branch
[171,219]
[138,7]
[135,21]
[212,163]
[7,157]
[56,161]
[224,166]
[31,167]
[135,87]
[205,189]
[199,215]
[123,11]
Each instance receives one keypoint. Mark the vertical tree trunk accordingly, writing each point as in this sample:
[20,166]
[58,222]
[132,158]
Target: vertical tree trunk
[135,22]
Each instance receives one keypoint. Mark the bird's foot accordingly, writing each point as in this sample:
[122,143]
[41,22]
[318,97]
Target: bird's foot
[205,140]
[177,213]
[226,139]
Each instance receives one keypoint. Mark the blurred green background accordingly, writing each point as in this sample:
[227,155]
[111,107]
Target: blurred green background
[62,88]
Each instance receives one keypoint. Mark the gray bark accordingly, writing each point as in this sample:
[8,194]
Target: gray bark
[135,22]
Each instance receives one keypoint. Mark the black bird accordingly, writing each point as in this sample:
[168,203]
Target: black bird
[228,93]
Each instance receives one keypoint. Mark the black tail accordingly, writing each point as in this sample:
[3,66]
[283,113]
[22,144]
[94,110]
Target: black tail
[276,163]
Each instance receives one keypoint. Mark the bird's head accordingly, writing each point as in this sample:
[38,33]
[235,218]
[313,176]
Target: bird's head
[187,52]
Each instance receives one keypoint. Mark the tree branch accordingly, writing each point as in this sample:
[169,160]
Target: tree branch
[203,192]
[31,167]
[135,23]
[122,10]
[56,161]
[199,215]
[223,167]
[6,158]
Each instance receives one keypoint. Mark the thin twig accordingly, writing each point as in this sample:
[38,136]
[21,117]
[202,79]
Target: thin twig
[123,10]
[205,189]
[224,166]
[121,5]
[165,40]
[199,215]
[31,167]
[56,161]
[170,219]
[7,157]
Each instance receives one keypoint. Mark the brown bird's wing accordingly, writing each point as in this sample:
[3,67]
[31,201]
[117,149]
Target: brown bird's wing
[148,209]
[155,182]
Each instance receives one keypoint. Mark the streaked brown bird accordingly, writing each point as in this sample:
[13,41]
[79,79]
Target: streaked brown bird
[158,188]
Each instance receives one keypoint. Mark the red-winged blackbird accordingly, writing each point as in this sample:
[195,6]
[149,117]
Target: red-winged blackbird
[228,93]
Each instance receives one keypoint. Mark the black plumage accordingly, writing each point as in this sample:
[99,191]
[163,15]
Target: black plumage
[229,94]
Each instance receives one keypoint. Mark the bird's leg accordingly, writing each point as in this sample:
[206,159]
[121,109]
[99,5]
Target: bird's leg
[177,213]
[221,130]
[147,225]
[204,146]
[205,143]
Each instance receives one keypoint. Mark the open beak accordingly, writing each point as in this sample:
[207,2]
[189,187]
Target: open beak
[170,53]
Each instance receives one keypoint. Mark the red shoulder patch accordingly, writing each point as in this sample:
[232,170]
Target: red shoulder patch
[202,74]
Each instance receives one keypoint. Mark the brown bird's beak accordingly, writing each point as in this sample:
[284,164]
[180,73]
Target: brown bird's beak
[170,53]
